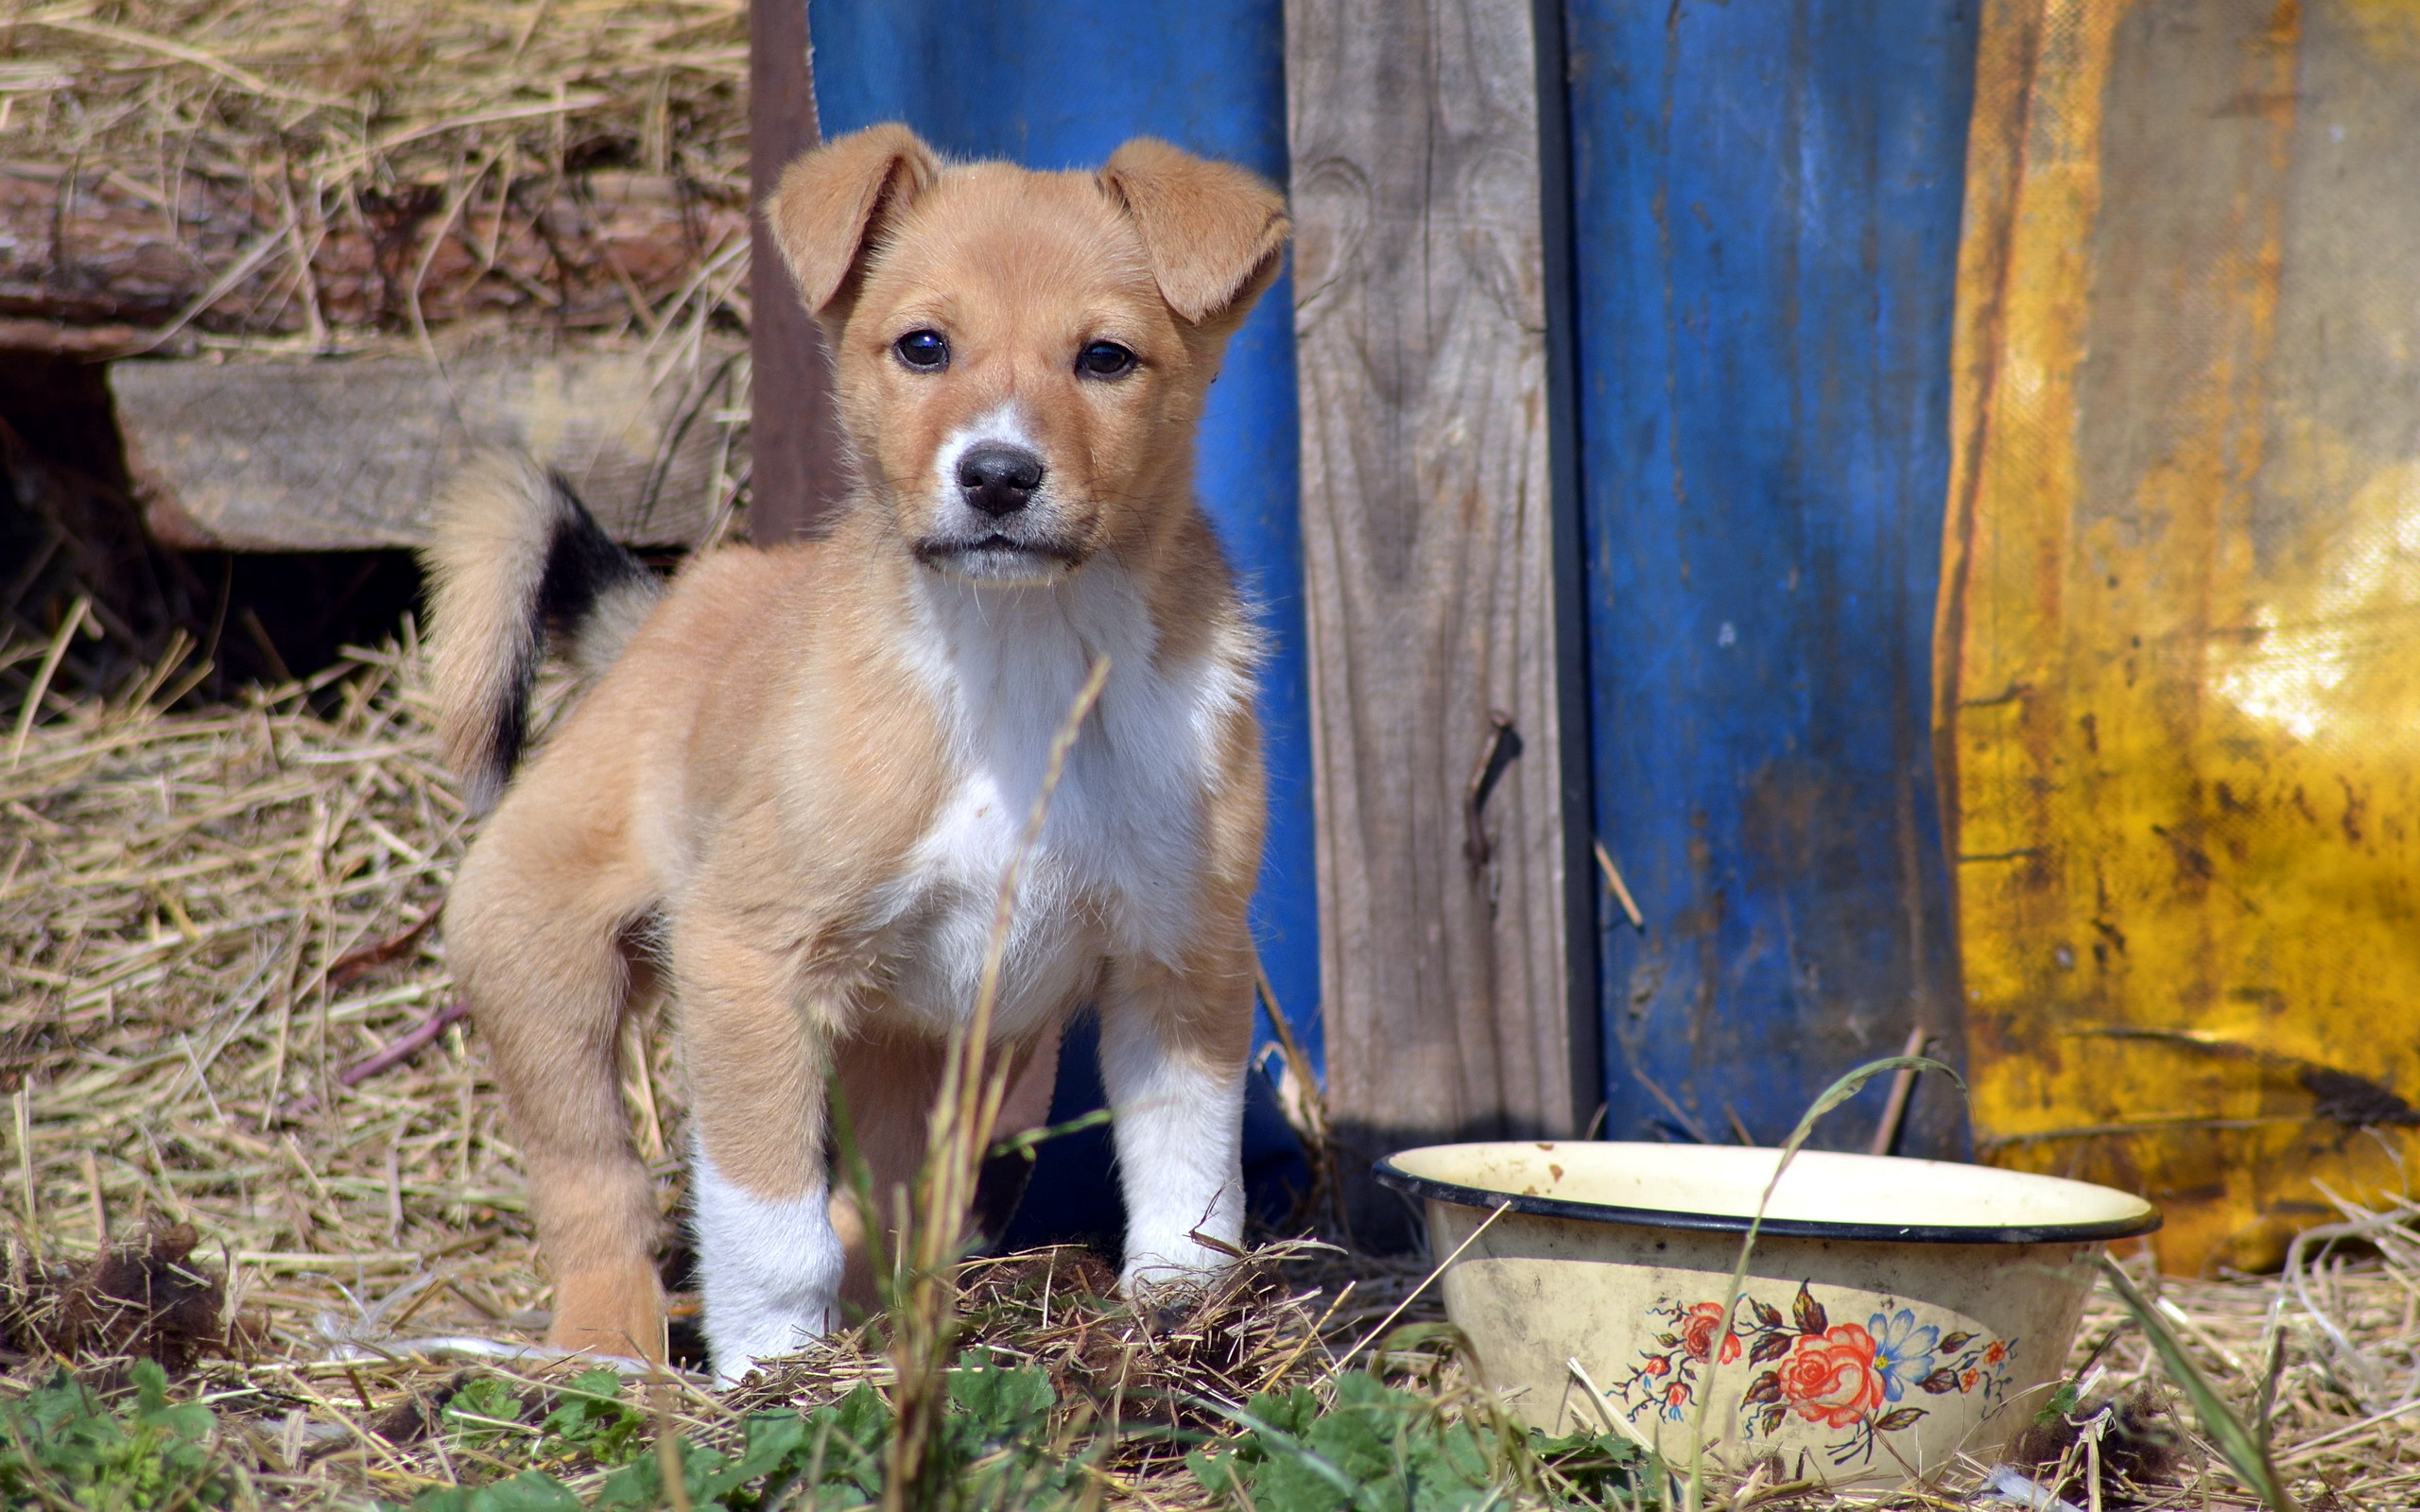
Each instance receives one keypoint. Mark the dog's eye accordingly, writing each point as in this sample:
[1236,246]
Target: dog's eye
[1104,359]
[924,351]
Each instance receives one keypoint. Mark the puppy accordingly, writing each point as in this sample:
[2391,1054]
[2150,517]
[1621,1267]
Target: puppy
[796,775]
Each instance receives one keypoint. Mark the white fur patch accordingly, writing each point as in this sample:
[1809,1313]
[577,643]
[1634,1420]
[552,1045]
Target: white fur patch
[770,1268]
[1001,423]
[1117,870]
[1179,1153]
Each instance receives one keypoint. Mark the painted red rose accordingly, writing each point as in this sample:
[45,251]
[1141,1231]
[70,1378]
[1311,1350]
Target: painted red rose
[1699,1329]
[1829,1377]
[1656,1365]
[1678,1394]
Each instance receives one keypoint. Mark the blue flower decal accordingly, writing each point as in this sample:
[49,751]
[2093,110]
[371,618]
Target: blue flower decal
[1902,1352]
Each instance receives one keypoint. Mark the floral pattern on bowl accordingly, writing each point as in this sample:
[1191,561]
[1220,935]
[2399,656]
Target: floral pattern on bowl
[1858,1381]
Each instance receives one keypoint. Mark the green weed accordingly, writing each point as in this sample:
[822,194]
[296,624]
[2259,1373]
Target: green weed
[593,1420]
[67,1448]
[1376,1448]
[995,1450]
[485,1412]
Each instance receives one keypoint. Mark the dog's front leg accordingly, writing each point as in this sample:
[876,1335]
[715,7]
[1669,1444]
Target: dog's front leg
[1172,1057]
[758,1052]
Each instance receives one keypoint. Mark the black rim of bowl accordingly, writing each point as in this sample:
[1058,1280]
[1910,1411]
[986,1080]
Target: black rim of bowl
[1391,1175]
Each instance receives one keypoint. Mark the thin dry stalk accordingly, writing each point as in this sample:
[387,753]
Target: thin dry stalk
[925,1304]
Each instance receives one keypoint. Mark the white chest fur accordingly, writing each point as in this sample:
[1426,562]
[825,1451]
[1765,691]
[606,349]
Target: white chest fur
[1116,869]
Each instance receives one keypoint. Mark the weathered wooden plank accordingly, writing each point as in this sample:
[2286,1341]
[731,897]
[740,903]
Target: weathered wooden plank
[1428,533]
[797,475]
[346,455]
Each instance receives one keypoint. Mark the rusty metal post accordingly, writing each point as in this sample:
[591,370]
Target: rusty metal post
[794,439]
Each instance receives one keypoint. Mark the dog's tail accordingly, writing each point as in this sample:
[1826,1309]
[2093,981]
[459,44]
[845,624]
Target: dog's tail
[518,566]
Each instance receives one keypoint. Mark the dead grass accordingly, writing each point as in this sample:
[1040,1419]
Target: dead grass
[298,166]
[211,980]
[369,91]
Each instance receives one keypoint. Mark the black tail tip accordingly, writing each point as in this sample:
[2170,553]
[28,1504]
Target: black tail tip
[582,563]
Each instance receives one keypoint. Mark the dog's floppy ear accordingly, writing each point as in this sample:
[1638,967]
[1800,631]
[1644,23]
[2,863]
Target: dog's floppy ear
[1213,229]
[832,200]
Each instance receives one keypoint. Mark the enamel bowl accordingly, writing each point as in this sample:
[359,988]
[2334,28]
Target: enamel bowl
[1897,1312]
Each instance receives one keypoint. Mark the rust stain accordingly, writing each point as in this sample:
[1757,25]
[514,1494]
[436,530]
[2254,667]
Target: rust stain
[2185,795]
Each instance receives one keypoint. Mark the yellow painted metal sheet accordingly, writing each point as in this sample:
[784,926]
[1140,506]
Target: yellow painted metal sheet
[2178,662]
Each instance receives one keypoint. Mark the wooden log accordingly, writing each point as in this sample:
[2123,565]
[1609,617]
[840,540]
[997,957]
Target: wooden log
[1430,530]
[304,456]
[89,248]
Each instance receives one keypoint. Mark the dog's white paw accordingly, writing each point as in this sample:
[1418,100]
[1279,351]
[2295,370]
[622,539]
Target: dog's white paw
[770,1269]
[1161,1282]
[738,1344]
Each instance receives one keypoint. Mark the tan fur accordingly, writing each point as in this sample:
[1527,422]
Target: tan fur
[483,562]
[485,559]
[748,784]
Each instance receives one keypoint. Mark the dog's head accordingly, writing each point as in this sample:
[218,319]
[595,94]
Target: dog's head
[1021,356]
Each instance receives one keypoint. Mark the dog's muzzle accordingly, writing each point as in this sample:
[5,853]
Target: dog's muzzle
[998,479]
[1005,531]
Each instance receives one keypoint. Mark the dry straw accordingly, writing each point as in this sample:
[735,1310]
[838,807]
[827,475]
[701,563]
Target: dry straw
[270,137]
[209,918]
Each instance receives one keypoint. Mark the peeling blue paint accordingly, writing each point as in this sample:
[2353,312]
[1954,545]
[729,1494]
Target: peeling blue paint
[1765,222]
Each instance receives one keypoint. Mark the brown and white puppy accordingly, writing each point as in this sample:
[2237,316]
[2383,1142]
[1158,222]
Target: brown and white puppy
[799,772]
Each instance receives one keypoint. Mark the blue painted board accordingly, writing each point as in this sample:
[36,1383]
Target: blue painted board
[1765,213]
[1059,84]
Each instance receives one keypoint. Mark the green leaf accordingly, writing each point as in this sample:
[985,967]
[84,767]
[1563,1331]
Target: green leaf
[1214,1469]
[636,1487]
[999,1402]
[2062,1403]
[62,1444]
[480,1413]
[844,1441]
[591,1419]
[530,1491]
[774,1441]
[1600,1470]
[1277,1463]
[1373,1448]
[1293,1412]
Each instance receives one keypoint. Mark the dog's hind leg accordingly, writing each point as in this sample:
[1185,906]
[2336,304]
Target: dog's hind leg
[884,1086]
[758,1049]
[534,931]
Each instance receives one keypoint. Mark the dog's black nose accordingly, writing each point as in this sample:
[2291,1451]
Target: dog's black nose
[998,479]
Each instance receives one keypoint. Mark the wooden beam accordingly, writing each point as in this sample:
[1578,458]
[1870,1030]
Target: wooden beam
[311,456]
[796,470]
[1429,539]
